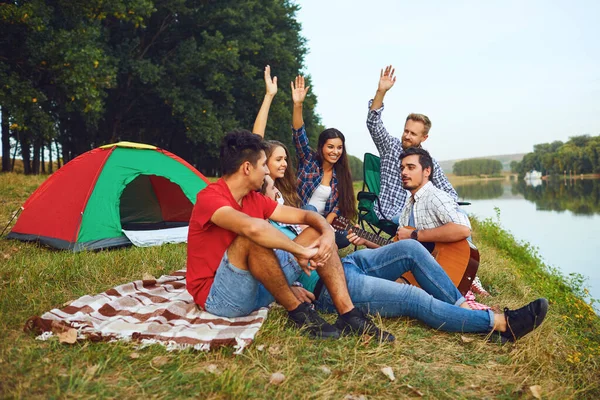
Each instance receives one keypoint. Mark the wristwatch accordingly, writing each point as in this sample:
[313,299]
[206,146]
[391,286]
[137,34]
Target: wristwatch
[415,235]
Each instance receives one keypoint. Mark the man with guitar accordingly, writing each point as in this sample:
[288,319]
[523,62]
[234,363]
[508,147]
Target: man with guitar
[430,216]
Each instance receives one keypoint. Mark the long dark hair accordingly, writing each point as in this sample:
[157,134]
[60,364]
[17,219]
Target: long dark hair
[288,184]
[342,171]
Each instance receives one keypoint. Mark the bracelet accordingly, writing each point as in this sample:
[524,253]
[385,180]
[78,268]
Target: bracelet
[297,284]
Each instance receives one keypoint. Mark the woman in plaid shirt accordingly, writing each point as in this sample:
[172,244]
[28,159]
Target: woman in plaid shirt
[324,178]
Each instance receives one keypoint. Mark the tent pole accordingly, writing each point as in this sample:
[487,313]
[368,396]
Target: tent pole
[11,220]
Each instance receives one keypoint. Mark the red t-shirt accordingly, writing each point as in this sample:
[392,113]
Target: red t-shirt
[208,242]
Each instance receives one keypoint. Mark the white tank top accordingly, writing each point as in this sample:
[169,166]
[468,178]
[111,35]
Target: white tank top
[319,198]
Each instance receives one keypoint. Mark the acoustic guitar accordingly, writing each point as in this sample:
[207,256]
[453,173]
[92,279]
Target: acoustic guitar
[459,259]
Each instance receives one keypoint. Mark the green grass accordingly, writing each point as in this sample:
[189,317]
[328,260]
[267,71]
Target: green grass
[563,356]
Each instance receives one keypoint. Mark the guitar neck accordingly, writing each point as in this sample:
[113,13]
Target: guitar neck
[371,237]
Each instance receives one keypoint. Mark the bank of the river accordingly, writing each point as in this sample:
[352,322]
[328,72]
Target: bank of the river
[562,357]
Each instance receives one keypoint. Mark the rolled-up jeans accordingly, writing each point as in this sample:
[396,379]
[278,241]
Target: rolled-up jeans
[341,241]
[371,275]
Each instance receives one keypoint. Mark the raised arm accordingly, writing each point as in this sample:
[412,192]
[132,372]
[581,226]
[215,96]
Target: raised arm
[299,92]
[263,114]
[301,143]
[380,135]
[386,82]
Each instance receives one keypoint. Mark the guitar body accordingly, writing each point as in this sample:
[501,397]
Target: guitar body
[459,259]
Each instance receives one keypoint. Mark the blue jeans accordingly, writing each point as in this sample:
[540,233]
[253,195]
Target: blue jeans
[341,241]
[371,275]
[236,293]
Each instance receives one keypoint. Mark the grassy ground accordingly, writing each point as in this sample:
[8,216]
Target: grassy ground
[562,357]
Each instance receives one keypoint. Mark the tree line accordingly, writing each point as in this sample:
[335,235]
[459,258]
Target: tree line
[579,155]
[479,166]
[177,74]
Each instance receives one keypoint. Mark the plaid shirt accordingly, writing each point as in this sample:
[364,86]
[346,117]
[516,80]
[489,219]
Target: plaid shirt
[310,173]
[392,195]
[432,208]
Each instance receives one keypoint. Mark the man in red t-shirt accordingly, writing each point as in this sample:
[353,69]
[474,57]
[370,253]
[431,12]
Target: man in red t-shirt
[238,262]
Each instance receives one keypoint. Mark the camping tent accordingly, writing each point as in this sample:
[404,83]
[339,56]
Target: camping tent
[88,202]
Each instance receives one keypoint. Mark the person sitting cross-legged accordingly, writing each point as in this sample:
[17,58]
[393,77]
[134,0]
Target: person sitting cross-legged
[238,262]
[371,279]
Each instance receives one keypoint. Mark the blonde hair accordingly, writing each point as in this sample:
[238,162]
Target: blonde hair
[422,118]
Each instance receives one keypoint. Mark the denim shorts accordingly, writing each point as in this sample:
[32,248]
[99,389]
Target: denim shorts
[236,293]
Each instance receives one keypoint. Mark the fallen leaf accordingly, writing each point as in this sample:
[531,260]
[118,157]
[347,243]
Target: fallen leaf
[148,277]
[67,303]
[536,391]
[91,371]
[260,347]
[325,369]
[6,256]
[277,378]
[70,336]
[159,361]
[466,339]
[389,372]
[213,369]
[134,355]
[274,350]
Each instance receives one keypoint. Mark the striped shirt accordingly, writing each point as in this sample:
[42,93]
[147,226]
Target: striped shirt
[310,173]
[392,195]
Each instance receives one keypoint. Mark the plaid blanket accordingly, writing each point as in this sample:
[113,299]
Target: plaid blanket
[149,311]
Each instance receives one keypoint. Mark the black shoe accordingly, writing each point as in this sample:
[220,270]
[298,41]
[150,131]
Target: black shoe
[355,322]
[522,321]
[306,318]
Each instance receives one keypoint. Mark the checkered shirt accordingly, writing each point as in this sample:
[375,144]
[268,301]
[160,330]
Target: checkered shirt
[310,172]
[392,195]
[433,208]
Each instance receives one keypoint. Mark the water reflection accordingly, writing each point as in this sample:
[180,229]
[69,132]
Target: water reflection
[481,190]
[582,197]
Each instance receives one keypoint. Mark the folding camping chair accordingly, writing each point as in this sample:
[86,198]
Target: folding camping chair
[368,199]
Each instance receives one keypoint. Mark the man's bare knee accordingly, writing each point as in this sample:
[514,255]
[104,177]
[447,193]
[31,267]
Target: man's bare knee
[241,248]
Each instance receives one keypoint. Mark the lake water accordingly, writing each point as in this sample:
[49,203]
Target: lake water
[560,218]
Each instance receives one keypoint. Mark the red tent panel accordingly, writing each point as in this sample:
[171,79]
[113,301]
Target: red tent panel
[62,219]
[174,205]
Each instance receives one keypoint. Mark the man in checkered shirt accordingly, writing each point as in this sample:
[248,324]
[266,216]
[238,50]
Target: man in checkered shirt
[393,196]
[432,211]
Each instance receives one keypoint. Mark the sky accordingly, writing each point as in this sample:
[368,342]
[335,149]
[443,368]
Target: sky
[495,77]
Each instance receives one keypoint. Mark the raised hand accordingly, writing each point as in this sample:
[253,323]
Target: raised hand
[298,90]
[386,79]
[270,84]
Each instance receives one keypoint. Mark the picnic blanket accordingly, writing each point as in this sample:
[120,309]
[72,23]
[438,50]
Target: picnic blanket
[149,311]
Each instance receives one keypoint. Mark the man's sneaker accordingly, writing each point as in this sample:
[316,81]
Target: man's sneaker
[522,321]
[306,318]
[355,322]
